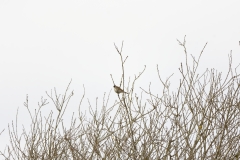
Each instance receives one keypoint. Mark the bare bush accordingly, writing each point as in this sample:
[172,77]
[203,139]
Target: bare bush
[199,121]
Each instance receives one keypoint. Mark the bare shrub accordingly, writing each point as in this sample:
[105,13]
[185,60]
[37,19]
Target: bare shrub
[199,121]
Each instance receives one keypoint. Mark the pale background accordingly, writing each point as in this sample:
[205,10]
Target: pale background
[45,44]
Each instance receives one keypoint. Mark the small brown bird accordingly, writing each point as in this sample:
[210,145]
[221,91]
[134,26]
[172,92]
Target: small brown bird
[118,89]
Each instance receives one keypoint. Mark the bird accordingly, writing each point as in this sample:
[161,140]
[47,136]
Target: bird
[118,89]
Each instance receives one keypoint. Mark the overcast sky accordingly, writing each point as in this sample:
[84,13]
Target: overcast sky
[44,44]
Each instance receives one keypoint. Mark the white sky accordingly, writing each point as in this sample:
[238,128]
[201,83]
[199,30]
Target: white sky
[44,44]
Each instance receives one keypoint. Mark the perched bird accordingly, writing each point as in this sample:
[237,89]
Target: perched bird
[118,89]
